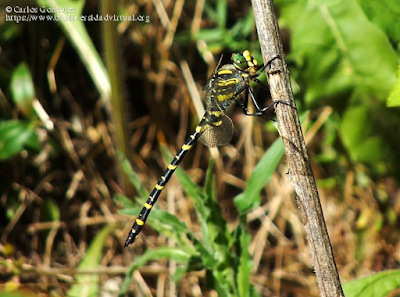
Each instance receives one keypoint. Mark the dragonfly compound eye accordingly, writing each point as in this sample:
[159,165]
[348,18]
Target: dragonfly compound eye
[239,61]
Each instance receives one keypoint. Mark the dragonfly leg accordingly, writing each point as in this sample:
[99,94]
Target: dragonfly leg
[262,66]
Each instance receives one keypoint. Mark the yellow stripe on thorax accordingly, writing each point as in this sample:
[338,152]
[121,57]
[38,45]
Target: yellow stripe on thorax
[227,82]
[216,113]
[225,71]
[219,123]
[225,97]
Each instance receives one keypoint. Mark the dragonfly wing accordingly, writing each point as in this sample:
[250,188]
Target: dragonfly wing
[218,135]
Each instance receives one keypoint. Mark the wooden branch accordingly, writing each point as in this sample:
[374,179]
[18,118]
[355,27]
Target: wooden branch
[300,172]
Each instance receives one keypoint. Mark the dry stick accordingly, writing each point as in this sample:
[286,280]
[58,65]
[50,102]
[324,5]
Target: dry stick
[300,172]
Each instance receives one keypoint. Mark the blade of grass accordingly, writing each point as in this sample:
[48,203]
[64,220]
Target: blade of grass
[88,284]
[77,34]
[250,198]
[377,285]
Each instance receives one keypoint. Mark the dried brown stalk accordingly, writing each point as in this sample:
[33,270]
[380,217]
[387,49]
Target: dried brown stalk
[300,172]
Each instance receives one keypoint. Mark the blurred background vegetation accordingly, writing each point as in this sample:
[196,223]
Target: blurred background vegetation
[74,93]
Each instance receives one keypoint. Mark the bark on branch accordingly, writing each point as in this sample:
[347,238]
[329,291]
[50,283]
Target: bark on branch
[300,172]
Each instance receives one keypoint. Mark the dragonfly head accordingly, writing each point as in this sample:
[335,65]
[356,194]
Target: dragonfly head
[245,62]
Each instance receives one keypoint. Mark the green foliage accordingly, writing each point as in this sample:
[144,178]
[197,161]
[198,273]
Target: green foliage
[363,146]
[23,91]
[16,135]
[9,31]
[50,212]
[223,254]
[261,174]
[344,59]
[339,51]
[385,14]
[394,97]
[87,285]
[377,285]
[244,261]
[222,37]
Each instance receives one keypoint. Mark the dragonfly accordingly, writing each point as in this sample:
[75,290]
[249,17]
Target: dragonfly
[215,129]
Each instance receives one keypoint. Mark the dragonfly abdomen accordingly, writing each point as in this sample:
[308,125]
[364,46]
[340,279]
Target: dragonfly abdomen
[137,226]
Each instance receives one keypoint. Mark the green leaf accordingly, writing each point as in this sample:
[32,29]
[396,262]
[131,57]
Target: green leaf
[245,262]
[338,50]
[77,34]
[23,90]
[221,12]
[377,285]
[49,212]
[250,198]
[385,14]
[356,128]
[87,285]
[394,96]
[14,136]
[172,253]
[8,32]
[168,224]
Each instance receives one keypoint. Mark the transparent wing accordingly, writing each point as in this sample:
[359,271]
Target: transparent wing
[218,135]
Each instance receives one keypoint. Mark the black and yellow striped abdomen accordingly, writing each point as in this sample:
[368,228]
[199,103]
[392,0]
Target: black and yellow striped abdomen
[212,120]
